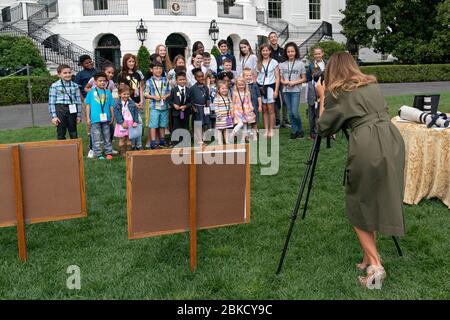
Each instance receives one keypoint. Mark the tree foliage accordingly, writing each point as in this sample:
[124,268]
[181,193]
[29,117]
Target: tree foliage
[329,47]
[16,52]
[414,31]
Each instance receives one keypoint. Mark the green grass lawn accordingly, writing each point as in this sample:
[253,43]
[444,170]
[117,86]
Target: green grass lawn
[237,262]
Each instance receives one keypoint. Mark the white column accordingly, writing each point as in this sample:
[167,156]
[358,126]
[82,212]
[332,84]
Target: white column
[249,10]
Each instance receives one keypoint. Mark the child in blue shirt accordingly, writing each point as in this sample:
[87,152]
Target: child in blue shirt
[157,89]
[100,115]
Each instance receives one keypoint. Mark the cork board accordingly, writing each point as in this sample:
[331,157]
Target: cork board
[52,182]
[7,197]
[223,192]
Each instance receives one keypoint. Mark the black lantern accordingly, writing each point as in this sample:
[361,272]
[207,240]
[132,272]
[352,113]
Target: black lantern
[214,31]
[142,31]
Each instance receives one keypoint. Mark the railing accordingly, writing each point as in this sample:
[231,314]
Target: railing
[284,35]
[11,15]
[105,7]
[235,12]
[324,31]
[175,7]
[53,47]
[33,8]
[42,17]
[59,44]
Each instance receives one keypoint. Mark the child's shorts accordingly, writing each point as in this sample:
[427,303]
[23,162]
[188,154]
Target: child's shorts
[269,98]
[159,118]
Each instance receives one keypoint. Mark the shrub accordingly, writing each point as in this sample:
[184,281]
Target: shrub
[16,52]
[143,58]
[215,51]
[329,47]
[409,73]
[14,90]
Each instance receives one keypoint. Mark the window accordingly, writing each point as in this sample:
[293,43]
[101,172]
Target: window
[275,9]
[100,4]
[314,9]
[160,4]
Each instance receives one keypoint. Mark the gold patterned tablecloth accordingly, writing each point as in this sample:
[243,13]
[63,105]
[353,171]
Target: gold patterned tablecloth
[427,166]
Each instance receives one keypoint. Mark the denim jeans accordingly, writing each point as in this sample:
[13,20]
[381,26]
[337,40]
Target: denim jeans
[100,132]
[292,101]
[313,114]
[137,143]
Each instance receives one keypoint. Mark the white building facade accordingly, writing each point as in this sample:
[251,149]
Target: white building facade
[107,28]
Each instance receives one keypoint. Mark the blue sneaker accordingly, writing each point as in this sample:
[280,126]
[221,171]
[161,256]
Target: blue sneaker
[100,158]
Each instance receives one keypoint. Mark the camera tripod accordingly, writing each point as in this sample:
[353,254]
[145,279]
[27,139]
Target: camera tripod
[309,174]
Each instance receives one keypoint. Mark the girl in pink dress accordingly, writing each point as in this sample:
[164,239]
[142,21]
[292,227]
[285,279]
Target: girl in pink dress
[126,115]
[242,108]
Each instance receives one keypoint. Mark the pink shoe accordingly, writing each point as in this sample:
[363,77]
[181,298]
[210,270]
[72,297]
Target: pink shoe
[109,157]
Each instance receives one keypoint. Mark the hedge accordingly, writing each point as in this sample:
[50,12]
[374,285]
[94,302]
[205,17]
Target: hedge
[409,73]
[14,90]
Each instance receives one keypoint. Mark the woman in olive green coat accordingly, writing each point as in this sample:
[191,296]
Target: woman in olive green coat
[376,157]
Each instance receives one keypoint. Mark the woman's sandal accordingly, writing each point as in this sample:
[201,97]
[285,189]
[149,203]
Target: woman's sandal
[364,265]
[374,279]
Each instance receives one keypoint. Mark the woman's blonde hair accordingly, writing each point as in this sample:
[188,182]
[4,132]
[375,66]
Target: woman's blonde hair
[240,79]
[166,62]
[342,74]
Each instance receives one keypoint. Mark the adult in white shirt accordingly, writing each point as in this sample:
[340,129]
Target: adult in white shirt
[247,59]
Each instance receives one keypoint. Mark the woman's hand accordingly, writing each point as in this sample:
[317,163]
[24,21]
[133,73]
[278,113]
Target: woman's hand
[134,124]
[275,95]
[125,125]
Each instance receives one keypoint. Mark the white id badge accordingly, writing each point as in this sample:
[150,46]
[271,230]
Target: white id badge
[73,108]
[207,111]
[103,117]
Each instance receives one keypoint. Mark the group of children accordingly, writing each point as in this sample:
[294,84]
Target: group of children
[194,98]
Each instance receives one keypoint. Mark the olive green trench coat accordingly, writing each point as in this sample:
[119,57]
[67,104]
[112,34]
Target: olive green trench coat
[376,158]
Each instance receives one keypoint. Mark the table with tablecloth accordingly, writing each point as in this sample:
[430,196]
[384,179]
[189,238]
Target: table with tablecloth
[427,165]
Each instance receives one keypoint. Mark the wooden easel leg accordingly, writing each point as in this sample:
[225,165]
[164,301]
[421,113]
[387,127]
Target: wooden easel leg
[193,211]
[22,242]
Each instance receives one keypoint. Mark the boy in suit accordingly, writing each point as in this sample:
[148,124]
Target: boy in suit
[180,104]
[223,47]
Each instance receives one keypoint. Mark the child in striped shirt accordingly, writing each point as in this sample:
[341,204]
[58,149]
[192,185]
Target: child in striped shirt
[224,119]
[64,104]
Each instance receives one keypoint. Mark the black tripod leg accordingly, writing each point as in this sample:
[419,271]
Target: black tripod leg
[311,177]
[294,215]
[399,250]
[328,142]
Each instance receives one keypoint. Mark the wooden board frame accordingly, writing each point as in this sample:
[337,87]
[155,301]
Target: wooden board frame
[129,170]
[78,143]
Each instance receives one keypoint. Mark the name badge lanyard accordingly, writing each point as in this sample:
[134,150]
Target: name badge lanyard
[226,105]
[65,91]
[242,101]
[102,102]
[291,70]
[266,71]
[157,90]
[245,62]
